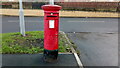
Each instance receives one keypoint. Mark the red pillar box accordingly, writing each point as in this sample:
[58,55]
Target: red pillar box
[51,29]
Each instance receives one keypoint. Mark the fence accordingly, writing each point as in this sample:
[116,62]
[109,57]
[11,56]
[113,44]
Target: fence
[90,6]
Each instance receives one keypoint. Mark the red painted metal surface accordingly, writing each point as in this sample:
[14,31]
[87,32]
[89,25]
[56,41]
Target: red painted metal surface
[51,12]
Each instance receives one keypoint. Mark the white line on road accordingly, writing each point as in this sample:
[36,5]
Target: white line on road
[14,21]
[86,21]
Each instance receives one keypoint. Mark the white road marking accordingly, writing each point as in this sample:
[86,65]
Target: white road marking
[86,21]
[15,21]
[67,21]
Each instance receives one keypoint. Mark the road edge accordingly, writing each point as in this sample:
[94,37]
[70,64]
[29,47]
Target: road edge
[74,52]
[72,14]
[60,16]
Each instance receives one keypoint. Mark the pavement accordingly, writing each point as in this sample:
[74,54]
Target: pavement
[96,38]
[36,61]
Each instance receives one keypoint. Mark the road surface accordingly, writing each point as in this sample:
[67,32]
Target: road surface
[96,38]
[11,24]
[97,49]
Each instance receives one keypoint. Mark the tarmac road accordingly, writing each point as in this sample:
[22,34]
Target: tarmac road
[11,24]
[96,38]
[97,49]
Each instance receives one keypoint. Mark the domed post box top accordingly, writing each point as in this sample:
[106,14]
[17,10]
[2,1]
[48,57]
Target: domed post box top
[51,7]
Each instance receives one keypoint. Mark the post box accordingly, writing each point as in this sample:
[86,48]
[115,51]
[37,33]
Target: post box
[51,29]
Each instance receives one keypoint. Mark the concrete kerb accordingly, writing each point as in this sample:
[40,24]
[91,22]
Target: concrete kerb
[73,51]
[60,16]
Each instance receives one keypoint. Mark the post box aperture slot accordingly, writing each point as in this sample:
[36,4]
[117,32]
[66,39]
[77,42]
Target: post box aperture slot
[49,17]
[52,16]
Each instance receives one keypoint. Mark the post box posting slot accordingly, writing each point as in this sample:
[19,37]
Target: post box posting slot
[50,15]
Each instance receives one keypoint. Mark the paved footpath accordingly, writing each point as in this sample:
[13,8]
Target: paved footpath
[36,61]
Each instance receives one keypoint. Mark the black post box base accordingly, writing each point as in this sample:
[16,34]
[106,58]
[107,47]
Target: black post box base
[50,55]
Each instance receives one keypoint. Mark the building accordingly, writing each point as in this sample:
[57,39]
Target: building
[89,0]
[104,0]
[22,0]
[61,0]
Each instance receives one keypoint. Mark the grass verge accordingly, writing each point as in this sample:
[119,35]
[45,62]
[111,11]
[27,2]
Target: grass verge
[28,12]
[32,43]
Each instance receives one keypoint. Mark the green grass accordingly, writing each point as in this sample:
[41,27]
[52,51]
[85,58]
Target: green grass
[32,43]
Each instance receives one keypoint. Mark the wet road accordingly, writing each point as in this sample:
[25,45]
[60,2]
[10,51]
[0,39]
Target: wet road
[97,40]
[97,49]
[11,24]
